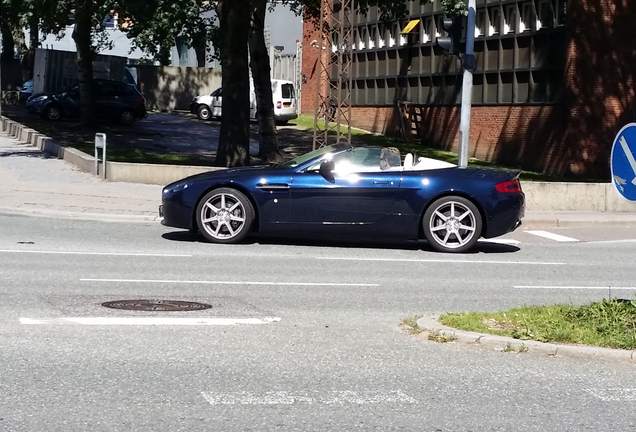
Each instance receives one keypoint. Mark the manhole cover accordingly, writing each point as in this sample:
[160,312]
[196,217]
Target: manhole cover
[156,305]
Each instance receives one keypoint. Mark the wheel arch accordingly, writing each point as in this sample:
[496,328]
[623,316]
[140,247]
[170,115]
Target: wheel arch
[420,229]
[238,187]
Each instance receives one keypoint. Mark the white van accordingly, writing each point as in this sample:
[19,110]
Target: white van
[283,95]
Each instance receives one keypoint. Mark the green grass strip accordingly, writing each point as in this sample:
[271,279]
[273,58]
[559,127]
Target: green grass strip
[610,323]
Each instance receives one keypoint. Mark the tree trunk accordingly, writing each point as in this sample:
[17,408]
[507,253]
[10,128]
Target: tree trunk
[82,38]
[234,139]
[8,44]
[259,64]
[34,41]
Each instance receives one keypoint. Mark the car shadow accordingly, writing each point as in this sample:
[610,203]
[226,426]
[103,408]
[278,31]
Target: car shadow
[482,246]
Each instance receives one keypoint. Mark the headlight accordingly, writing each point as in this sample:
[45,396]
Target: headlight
[38,98]
[174,188]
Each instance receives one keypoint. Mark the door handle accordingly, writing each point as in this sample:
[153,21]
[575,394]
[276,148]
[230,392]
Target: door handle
[272,186]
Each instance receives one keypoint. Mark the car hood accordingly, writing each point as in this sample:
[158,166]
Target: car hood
[232,173]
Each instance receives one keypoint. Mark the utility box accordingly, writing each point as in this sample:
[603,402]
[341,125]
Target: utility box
[54,70]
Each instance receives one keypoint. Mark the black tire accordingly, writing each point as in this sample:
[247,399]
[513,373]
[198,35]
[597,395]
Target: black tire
[127,117]
[452,224]
[225,215]
[204,112]
[53,112]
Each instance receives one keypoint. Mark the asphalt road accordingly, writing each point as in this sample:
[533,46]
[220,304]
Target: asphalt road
[315,342]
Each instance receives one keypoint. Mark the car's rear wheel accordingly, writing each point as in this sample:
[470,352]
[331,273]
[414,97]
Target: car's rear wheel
[53,112]
[452,224]
[127,117]
[225,215]
[204,113]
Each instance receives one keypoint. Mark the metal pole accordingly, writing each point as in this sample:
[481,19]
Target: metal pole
[468,63]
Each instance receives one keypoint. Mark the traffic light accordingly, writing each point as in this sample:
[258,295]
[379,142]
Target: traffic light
[453,27]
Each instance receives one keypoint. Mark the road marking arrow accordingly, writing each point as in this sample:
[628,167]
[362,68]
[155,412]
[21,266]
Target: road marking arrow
[630,157]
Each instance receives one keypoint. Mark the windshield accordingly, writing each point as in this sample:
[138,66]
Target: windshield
[293,163]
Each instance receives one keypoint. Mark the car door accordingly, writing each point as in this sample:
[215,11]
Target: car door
[70,100]
[107,103]
[357,199]
[217,103]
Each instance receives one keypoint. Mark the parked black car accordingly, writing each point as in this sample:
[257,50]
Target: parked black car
[113,100]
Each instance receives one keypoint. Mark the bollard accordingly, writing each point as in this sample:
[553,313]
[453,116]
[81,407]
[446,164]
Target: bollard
[100,143]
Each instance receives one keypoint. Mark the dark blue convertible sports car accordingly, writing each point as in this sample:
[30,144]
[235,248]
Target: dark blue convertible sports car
[344,191]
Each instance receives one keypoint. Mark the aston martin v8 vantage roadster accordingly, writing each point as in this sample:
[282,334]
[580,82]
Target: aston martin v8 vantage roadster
[341,191]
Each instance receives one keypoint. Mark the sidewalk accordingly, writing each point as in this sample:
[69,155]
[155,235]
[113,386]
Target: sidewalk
[34,183]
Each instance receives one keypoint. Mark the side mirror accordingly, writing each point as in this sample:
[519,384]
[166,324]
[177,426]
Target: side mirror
[326,170]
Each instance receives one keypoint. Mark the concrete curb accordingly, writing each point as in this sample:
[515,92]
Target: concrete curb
[501,343]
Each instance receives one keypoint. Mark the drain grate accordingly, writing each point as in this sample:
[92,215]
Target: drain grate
[156,305]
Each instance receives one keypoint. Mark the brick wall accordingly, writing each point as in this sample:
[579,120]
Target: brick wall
[573,138]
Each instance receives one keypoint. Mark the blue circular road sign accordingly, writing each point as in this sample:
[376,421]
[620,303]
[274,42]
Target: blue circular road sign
[623,162]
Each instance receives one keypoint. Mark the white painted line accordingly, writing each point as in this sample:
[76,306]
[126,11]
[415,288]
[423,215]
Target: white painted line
[612,241]
[212,282]
[450,261]
[143,321]
[614,394]
[500,241]
[552,236]
[573,287]
[308,398]
[630,157]
[91,253]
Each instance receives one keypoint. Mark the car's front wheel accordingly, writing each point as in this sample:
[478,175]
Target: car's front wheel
[452,224]
[204,113]
[53,112]
[225,215]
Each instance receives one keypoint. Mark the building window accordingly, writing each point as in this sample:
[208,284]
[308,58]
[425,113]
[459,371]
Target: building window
[481,23]
[510,19]
[494,17]
[544,15]
[372,37]
[362,36]
[381,36]
[428,30]
[525,21]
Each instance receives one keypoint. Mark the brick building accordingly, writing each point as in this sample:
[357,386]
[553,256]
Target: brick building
[555,81]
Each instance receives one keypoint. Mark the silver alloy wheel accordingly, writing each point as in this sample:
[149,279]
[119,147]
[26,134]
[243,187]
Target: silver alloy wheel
[53,112]
[204,113]
[225,216]
[452,224]
[127,117]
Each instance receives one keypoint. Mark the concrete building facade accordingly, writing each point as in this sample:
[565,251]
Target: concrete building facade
[554,82]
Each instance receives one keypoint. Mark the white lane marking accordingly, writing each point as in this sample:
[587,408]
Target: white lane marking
[552,236]
[500,241]
[92,253]
[614,394]
[573,287]
[612,241]
[451,261]
[143,321]
[212,282]
[304,397]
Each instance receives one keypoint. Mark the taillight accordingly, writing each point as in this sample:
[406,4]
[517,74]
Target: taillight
[279,104]
[512,186]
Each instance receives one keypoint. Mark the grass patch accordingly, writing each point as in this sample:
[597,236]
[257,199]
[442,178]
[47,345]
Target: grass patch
[136,155]
[420,149]
[410,324]
[609,323]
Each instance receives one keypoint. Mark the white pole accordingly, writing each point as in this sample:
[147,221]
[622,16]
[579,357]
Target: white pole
[468,63]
